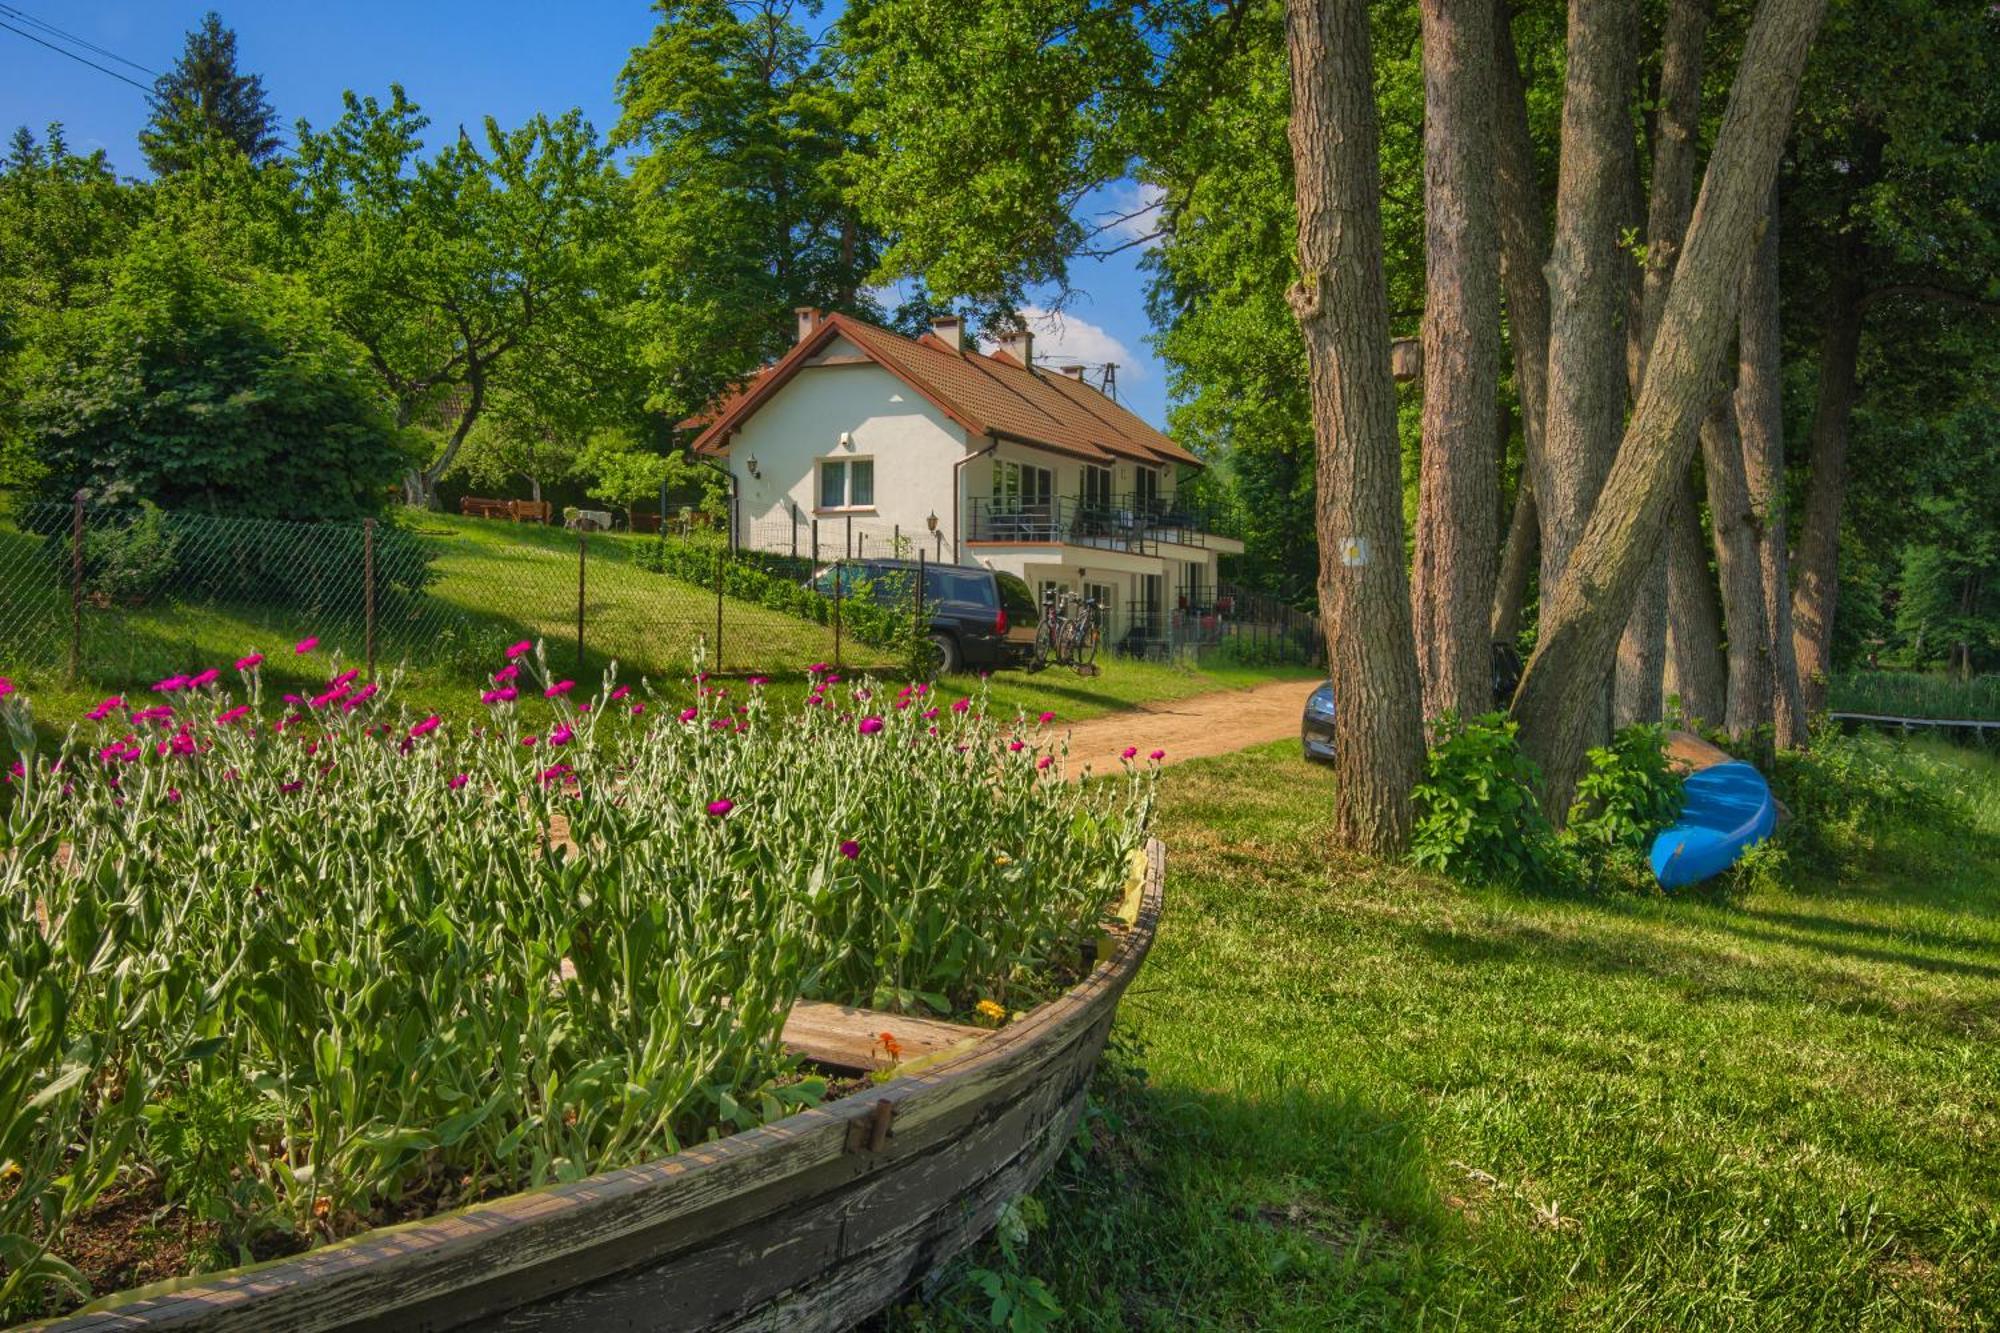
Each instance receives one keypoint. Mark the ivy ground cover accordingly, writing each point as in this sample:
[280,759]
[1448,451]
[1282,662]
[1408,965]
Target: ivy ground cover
[287,968]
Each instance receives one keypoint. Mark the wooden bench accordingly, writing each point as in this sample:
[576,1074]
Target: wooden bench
[515,511]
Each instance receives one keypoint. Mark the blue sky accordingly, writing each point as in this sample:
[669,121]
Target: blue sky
[462,62]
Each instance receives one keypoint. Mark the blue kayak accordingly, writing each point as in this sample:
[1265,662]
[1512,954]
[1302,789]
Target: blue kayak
[1728,811]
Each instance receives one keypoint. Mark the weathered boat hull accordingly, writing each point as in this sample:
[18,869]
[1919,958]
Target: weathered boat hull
[809,1223]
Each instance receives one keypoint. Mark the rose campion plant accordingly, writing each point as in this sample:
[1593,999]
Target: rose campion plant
[402,949]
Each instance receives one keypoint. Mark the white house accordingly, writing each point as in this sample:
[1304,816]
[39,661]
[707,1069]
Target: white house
[975,458]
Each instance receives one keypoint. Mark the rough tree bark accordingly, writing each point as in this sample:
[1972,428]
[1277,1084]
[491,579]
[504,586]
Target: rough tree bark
[1524,245]
[1694,621]
[1639,687]
[1760,414]
[1587,272]
[1342,306]
[1584,610]
[1458,499]
[1735,523]
[1819,528]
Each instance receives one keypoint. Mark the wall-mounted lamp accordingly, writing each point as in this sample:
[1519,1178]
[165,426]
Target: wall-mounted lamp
[931,522]
[751,463]
[846,440]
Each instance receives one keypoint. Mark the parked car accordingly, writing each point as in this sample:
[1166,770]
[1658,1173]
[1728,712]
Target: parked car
[977,619]
[1316,728]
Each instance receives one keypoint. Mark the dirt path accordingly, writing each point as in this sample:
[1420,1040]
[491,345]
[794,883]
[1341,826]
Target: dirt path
[1202,724]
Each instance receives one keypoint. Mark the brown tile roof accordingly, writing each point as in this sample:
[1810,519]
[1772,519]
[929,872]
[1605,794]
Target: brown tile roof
[986,394]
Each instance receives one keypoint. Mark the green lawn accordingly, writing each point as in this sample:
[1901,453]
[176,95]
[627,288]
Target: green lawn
[1377,1099]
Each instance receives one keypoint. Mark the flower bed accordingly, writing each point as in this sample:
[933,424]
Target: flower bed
[301,970]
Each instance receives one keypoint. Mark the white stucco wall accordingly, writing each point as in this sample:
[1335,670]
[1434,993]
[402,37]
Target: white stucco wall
[912,444]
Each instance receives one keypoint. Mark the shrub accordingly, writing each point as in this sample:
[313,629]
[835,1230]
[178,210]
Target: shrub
[1629,792]
[1840,792]
[1477,813]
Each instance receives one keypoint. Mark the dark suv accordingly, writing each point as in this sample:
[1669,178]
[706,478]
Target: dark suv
[977,618]
[1316,729]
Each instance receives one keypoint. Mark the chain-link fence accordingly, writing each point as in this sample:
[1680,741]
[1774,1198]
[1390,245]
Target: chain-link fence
[124,596]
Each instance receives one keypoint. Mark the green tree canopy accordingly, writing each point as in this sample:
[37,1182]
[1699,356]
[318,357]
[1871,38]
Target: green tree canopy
[204,99]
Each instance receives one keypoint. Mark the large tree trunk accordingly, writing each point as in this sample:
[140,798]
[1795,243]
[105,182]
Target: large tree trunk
[1458,489]
[1760,413]
[1342,305]
[1524,246]
[1584,610]
[1642,650]
[1587,274]
[1517,563]
[1694,621]
[1819,530]
[1736,560]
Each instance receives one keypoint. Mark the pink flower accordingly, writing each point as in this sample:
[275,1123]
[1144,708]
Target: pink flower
[233,715]
[505,695]
[1046,718]
[208,677]
[638,710]
[251,662]
[170,684]
[561,736]
[505,674]
[850,849]
[700,676]
[304,646]
[322,700]
[755,681]
[174,795]
[719,724]
[1129,752]
[425,727]
[105,709]
[518,649]
[289,787]
[1015,746]
[870,725]
[155,713]
[552,774]
[560,688]
[6,687]
[690,714]
[361,696]
[1157,755]
[456,782]
[721,807]
[1045,761]
[620,693]
[831,680]
[530,741]
[344,678]
[930,713]
[961,706]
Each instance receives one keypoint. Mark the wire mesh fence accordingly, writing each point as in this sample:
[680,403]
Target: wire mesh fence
[125,595]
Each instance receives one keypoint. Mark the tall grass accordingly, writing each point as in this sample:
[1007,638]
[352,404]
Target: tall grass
[1915,694]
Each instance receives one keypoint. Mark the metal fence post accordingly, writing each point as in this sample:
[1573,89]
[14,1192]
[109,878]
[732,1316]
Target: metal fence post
[850,536]
[721,563]
[76,589]
[582,560]
[368,589]
[895,541]
[839,577]
[795,531]
[815,536]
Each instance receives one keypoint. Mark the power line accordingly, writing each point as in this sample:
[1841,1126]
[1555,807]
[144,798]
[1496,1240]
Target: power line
[74,56]
[23,16]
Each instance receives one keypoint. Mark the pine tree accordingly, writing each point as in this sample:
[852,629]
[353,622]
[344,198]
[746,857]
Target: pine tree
[204,100]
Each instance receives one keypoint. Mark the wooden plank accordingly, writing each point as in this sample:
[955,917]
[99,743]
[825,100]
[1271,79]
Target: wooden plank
[852,1038]
[1690,753]
[1887,720]
[481,1262]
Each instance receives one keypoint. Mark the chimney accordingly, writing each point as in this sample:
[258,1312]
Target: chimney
[949,330]
[1074,372]
[810,319]
[1019,343]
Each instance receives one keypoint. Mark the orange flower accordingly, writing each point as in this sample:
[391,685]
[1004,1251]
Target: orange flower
[890,1044]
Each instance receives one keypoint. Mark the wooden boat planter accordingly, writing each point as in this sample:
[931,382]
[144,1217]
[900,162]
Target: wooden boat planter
[812,1222]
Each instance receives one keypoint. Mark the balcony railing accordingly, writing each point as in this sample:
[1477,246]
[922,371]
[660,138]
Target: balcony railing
[1123,523]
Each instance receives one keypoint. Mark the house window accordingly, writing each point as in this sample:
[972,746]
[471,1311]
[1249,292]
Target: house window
[846,483]
[1023,501]
[1096,487]
[1101,593]
[1146,489]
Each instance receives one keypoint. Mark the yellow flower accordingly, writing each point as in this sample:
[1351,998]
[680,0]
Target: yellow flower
[1002,859]
[988,1009]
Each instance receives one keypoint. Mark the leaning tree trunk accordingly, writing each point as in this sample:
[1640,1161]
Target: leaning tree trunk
[1760,413]
[1587,273]
[1517,563]
[1458,486]
[1736,560]
[1694,621]
[1819,530]
[1676,125]
[1586,608]
[1342,305]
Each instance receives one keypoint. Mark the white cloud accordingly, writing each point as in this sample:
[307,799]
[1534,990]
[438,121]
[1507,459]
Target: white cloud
[1065,340]
[1131,212]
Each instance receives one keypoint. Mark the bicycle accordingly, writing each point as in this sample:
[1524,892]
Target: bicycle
[1069,633]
